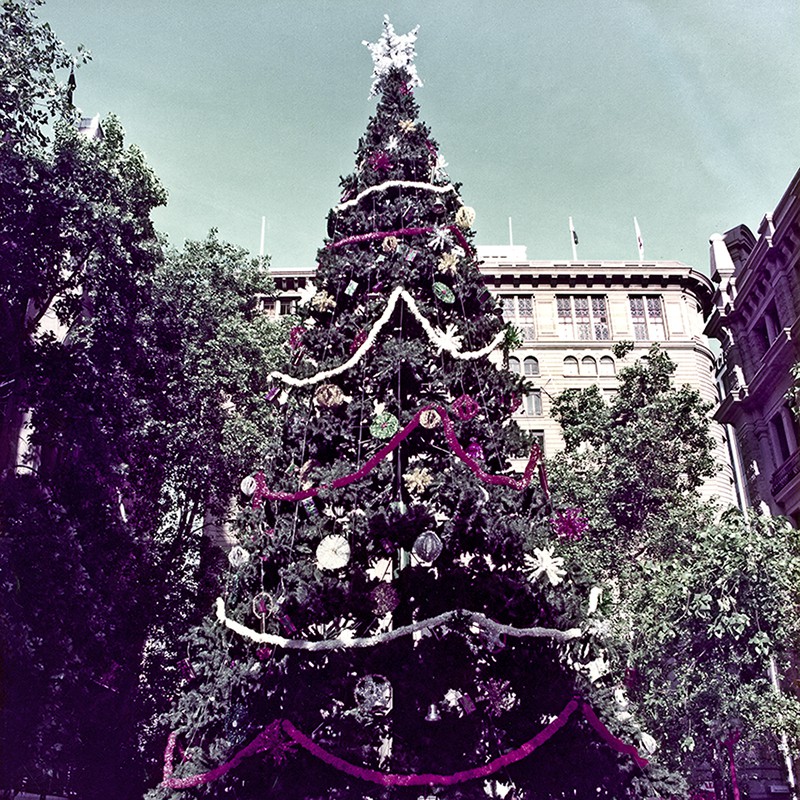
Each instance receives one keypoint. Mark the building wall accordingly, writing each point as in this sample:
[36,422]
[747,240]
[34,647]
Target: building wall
[571,314]
[756,317]
[561,351]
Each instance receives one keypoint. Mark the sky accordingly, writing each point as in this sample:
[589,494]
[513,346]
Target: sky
[682,113]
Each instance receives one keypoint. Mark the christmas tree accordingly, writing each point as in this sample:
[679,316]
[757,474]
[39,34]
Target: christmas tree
[398,621]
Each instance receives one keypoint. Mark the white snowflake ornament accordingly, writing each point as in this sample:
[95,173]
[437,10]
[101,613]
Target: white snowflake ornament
[543,562]
[393,50]
[448,339]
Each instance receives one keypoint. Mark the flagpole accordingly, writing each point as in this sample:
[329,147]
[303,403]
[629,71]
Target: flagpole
[263,227]
[639,240]
[510,234]
[573,237]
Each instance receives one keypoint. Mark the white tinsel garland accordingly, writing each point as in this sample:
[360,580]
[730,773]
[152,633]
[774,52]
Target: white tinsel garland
[441,339]
[390,184]
[486,626]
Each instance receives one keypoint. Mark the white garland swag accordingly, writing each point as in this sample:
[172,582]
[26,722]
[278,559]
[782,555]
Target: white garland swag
[388,185]
[475,618]
[441,339]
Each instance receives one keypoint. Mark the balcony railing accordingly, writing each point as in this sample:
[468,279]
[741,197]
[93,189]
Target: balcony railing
[786,472]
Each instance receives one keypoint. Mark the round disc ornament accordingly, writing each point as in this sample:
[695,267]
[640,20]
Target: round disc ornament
[429,418]
[465,216]
[443,292]
[384,426]
[465,408]
[238,556]
[248,486]
[428,547]
[374,695]
[389,244]
[333,552]
[329,396]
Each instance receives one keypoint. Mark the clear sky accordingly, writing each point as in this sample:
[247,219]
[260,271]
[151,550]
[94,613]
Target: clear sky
[685,113]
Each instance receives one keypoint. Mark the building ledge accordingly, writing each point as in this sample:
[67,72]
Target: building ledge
[786,477]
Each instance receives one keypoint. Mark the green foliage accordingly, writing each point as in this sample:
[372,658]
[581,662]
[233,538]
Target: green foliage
[31,97]
[695,601]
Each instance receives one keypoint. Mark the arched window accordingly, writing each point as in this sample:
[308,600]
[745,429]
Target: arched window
[513,365]
[570,365]
[607,366]
[531,365]
[588,366]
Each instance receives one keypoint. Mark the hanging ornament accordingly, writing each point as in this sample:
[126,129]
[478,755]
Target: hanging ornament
[411,254]
[465,408]
[433,714]
[467,704]
[238,556]
[329,395]
[358,340]
[384,425]
[428,547]
[448,263]
[385,598]
[333,552]
[374,695]
[407,125]
[287,624]
[389,244]
[418,480]
[444,293]
[323,301]
[264,653]
[248,486]
[263,604]
[272,393]
[380,161]
[475,451]
[465,216]
[497,696]
[570,524]
[429,418]
[393,143]
[351,288]
[310,507]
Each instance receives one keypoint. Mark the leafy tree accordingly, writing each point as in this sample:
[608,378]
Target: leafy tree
[694,600]
[341,540]
[120,358]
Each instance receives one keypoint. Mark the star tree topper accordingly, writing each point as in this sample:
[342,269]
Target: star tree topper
[393,50]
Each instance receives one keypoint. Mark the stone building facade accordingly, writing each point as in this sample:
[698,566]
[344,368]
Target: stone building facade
[756,316]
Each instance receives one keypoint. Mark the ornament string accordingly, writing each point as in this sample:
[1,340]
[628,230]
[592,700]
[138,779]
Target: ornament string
[473,618]
[262,492]
[263,742]
[441,339]
[378,235]
[380,187]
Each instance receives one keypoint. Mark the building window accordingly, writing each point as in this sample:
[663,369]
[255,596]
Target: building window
[266,305]
[582,317]
[531,365]
[518,310]
[647,316]
[570,365]
[781,440]
[514,365]
[538,438]
[533,403]
[286,307]
[607,366]
[588,366]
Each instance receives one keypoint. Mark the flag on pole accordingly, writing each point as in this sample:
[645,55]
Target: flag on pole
[574,238]
[639,240]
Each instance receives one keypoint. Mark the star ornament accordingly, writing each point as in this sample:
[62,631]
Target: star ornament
[393,50]
[544,563]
